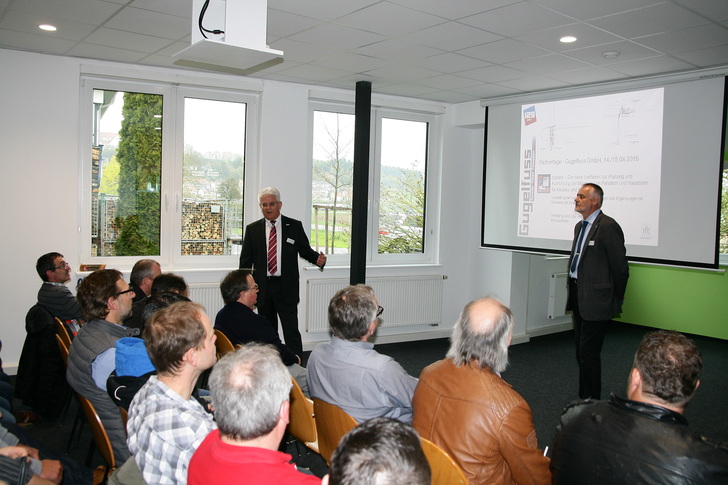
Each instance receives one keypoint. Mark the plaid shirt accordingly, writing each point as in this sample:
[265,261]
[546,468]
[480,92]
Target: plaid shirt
[164,431]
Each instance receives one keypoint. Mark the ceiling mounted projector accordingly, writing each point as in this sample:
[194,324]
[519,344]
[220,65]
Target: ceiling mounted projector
[230,33]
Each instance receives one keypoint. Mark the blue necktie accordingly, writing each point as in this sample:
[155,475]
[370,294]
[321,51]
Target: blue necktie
[577,248]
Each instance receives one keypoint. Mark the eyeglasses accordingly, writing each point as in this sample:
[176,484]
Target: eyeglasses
[63,265]
[254,287]
[265,205]
[380,310]
[130,290]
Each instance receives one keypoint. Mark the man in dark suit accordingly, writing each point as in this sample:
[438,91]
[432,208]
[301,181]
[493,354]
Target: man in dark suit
[598,274]
[272,246]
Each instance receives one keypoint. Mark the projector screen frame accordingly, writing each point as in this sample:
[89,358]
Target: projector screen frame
[709,262]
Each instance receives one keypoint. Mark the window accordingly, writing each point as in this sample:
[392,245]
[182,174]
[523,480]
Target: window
[166,172]
[398,223]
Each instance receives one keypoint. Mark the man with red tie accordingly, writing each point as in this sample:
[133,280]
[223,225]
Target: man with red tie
[271,246]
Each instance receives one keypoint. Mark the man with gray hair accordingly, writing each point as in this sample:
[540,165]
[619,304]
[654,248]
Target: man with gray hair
[272,246]
[142,275]
[347,372]
[250,391]
[463,405]
[380,451]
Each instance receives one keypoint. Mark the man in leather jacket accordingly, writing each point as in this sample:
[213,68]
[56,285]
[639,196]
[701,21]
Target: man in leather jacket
[463,405]
[645,438]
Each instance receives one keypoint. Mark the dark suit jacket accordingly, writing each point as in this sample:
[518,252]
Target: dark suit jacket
[603,271]
[294,243]
[242,325]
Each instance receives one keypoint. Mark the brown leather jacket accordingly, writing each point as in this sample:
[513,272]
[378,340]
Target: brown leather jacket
[480,421]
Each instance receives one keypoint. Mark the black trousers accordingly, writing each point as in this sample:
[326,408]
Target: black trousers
[588,341]
[278,304]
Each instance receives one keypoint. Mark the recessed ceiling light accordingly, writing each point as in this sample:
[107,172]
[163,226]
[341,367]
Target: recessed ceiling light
[610,55]
[568,39]
[47,27]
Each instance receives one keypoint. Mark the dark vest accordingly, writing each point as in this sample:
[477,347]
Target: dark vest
[94,338]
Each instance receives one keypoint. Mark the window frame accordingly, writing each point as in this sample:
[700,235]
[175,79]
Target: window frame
[174,95]
[433,172]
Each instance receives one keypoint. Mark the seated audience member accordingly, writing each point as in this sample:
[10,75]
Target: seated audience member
[380,451]
[463,405]
[644,438]
[142,275]
[163,283]
[50,471]
[54,295]
[106,300]
[242,325]
[166,424]
[250,390]
[348,372]
[133,365]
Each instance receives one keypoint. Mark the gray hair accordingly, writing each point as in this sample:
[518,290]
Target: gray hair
[482,334]
[351,311]
[248,388]
[269,191]
[144,268]
[381,451]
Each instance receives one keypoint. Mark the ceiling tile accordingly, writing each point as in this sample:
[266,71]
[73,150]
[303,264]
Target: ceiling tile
[517,19]
[397,50]
[493,74]
[38,43]
[389,19]
[548,64]
[181,8]
[649,20]
[655,65]
[451,36]
[109,53]
[91,11]
[687,39]
[18,21]
[589,9]
[627,50]
[150,23]
[283,24]
[454,10]
[448,62]
[503,51]
[536,83]
[346,38]
[320,9]
[587,76]
[712,56]
[585,34]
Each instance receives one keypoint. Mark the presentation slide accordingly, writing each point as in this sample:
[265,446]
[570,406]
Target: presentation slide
[655,149]
[613,140]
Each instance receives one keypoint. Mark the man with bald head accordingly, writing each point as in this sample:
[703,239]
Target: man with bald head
[463,405]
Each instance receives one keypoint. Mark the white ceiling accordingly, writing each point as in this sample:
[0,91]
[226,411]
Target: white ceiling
[446,50]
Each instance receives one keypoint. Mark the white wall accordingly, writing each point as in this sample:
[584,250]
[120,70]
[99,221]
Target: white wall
[39,154]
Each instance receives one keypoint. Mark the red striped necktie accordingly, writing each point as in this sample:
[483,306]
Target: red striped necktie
[272,249]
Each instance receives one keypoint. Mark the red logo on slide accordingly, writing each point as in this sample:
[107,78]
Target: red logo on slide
[529,115]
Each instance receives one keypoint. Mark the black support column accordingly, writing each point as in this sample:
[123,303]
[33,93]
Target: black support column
[359,209]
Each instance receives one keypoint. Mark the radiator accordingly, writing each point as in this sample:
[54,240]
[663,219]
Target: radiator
[207,295]
[557,295]
[407,300]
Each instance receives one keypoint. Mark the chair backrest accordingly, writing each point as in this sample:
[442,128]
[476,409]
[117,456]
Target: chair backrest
[62,331]
[445,471]
[124,416]
[98,432]
[63,349]
[302,425]
[332,423]
[222,344]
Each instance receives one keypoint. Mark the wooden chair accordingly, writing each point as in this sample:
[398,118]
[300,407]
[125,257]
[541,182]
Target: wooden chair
[98,433]
[78,422]
[302,424]
[222,344]
[124,416]
[332,423]
[445,471]
[62,331]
